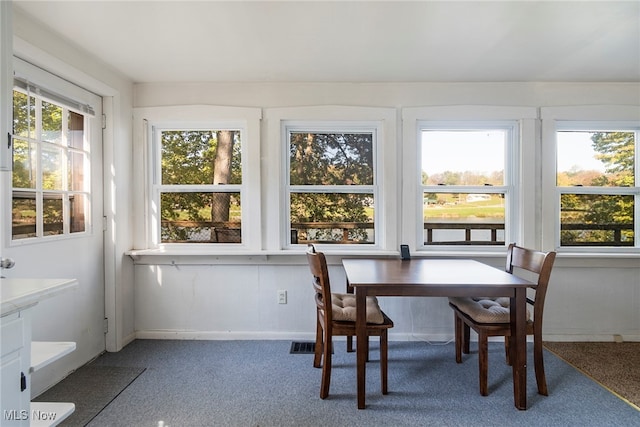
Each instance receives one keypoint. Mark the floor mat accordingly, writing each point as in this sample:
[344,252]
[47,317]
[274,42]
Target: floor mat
[91,389]
[616,366]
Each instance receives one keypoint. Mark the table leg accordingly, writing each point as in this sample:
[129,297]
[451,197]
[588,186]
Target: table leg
[349,338]
[519,347]
[361,348]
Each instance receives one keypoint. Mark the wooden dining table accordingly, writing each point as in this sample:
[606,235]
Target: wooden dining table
[439,278]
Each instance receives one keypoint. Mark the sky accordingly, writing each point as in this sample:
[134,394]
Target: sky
[483,151]
[574,149]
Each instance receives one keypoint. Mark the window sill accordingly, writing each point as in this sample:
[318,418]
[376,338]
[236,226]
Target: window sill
[204,256]
[186,256]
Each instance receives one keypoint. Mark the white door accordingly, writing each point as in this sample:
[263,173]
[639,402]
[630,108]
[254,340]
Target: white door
[53,207]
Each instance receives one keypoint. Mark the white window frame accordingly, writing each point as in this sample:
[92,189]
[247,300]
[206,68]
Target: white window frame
[604,117]
[374,128]
[50,88]
[520,175]
[149,122]
[334,119]
[510,171]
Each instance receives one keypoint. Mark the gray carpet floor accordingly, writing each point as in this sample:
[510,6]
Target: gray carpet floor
[259,383]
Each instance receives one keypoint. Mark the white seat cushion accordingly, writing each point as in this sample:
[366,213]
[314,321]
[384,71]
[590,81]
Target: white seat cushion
[344,308]
[485,310]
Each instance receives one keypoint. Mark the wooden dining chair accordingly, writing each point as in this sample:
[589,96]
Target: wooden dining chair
[336,315]
[491,316]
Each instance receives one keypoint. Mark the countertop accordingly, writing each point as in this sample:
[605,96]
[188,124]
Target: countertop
[18,294]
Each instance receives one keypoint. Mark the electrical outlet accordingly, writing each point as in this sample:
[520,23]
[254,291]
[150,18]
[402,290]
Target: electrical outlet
[282,297]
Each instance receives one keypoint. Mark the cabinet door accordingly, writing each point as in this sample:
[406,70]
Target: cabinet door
[14,371]
[15,407]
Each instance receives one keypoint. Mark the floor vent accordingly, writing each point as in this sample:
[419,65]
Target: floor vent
[302,347]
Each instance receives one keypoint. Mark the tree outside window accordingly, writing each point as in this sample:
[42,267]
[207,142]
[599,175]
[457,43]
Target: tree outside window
[331,189]
[200,185]
[50,169]
[597,187]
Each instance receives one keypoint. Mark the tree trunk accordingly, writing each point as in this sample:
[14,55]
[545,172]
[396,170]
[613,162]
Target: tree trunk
[221,176]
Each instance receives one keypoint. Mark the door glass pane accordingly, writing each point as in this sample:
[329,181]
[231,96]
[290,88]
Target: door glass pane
[596,220]
[77,203]
[76,130]
[24,164]
[332,218]
[24,115]
[75,171]
[51,167]
[52,214]
[23,215]
[200,217]
[51,122]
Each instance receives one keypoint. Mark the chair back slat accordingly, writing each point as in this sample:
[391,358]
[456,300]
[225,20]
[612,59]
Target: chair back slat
[321,285]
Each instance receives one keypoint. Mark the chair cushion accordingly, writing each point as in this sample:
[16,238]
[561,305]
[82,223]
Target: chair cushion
[344,308]
[485,310]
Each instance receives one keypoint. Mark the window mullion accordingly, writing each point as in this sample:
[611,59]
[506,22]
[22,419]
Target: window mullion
[360,189]
[64,169]
[39,178]
[230,188]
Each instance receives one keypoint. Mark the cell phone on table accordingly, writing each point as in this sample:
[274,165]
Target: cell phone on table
[404,252]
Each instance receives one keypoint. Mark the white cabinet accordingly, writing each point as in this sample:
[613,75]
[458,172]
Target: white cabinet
[20,357]
[14,368]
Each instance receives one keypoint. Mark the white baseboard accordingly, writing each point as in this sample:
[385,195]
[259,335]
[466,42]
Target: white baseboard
[224,335]
[310,336]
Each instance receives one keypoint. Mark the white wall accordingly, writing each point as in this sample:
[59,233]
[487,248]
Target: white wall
[234,297]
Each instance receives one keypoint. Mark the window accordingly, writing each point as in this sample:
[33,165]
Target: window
[330,178]
[50,179]
[332,191]
[466,181]
[590,171]
[466,169]
[597,183]
[199,180]
[199,184]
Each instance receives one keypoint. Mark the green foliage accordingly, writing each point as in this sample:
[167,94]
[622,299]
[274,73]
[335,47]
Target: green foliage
[331,159]
[333,208]
[24,115]
[51,122]
[23,176]
[188,158]
[447,206]
[616,150]
[52,213]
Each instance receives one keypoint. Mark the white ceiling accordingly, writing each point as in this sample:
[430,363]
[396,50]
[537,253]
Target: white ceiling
[353,41]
